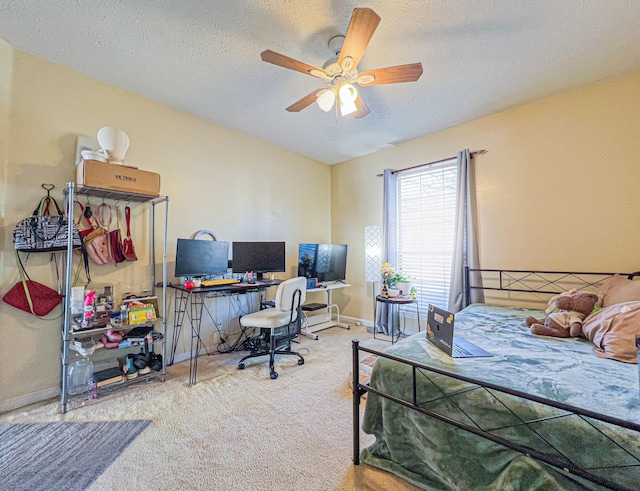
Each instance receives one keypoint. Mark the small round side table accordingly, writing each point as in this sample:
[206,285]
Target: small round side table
[393,319]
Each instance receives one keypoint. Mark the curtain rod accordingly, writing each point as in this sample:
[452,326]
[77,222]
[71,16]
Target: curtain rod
[472,154]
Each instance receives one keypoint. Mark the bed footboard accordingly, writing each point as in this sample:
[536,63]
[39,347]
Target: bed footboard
[612,433]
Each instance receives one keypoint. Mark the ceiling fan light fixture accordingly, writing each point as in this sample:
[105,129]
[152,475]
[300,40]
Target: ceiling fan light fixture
[326,99]
[348,95]
[340,72]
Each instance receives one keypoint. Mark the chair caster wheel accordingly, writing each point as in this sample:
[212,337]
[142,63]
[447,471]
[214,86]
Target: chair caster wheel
[274,375]
[241,366]
[300,362]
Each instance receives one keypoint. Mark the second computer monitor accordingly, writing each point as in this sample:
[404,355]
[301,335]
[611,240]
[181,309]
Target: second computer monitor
[327,262]
[258,257]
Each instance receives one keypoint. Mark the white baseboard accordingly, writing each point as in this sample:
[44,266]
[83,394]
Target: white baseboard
[26,399]
[184,356]
[354,321]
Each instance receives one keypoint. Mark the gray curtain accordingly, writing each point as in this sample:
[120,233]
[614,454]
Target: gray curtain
[466,236]
[389,234]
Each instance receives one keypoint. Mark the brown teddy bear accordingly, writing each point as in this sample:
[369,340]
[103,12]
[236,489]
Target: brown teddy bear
[565,320]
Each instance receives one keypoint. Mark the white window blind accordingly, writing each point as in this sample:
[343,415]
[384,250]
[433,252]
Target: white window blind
[426,218]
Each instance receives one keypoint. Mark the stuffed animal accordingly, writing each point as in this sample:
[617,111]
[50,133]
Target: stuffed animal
[565,319]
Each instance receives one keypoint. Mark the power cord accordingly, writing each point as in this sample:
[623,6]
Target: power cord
[244,337]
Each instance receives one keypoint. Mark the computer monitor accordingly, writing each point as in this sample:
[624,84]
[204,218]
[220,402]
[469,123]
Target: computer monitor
[195,258]
[258,257]
[327,262]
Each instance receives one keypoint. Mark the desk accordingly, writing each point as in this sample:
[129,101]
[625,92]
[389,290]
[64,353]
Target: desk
[325,319]
[393,315]
[191,302]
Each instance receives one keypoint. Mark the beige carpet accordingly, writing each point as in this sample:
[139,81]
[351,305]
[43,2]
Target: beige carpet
[239,429]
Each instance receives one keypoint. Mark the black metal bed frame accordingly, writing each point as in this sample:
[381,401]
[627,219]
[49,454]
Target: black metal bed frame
[545,282]
[512,281]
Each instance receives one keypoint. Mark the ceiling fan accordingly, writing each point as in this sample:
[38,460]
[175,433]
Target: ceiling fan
[341,73]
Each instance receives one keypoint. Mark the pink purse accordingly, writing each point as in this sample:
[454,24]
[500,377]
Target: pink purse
[97,241]
[98,248]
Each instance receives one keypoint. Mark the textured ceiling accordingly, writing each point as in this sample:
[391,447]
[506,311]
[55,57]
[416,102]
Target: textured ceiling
[479,57]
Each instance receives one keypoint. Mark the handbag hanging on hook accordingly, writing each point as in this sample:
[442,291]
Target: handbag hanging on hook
[42,231]
[85,212]
[31,296]
[115,240]
[127,244]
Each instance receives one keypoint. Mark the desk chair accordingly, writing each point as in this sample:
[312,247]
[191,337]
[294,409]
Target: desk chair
[278,325]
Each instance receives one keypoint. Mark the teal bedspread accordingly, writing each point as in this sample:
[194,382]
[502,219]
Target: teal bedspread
[435,455]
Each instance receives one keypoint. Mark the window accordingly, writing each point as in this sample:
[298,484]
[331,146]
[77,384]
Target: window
[426,201]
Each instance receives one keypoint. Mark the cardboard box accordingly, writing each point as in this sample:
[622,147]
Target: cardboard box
[140,315]
[117,178]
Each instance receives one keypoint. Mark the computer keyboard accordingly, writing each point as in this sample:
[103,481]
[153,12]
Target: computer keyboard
[223,281]
[458,351]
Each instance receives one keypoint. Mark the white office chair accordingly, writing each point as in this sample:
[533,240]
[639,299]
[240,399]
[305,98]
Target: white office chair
[279,324]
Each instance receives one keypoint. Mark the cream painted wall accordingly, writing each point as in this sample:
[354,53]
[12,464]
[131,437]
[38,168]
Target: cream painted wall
[217,179]
[6,69]
[557,189]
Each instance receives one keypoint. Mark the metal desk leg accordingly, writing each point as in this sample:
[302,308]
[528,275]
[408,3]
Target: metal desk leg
[193,357]
[331,305]
[178,319]
[196,303]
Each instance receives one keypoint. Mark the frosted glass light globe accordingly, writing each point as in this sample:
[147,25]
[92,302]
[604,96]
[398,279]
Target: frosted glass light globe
[348,95]
[326,99]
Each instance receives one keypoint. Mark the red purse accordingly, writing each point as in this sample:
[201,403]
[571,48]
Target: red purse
[128,250]
[31,296]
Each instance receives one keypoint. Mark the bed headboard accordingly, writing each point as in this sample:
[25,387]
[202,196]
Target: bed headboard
[518,281]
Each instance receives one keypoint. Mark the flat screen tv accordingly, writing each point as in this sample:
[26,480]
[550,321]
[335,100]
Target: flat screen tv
[327,262]
[258,257]
[196,258]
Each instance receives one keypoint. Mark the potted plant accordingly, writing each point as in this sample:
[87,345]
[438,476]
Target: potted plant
[404,285]
[396,283]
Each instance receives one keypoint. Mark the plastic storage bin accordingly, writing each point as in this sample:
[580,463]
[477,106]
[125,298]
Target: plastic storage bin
[79,376]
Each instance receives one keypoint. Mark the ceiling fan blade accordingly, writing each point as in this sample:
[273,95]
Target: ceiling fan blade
[363,109]
[392,75]
[286,62]
[362,25]
[307,100]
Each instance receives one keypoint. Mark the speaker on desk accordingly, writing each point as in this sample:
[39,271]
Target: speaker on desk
[312,283]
